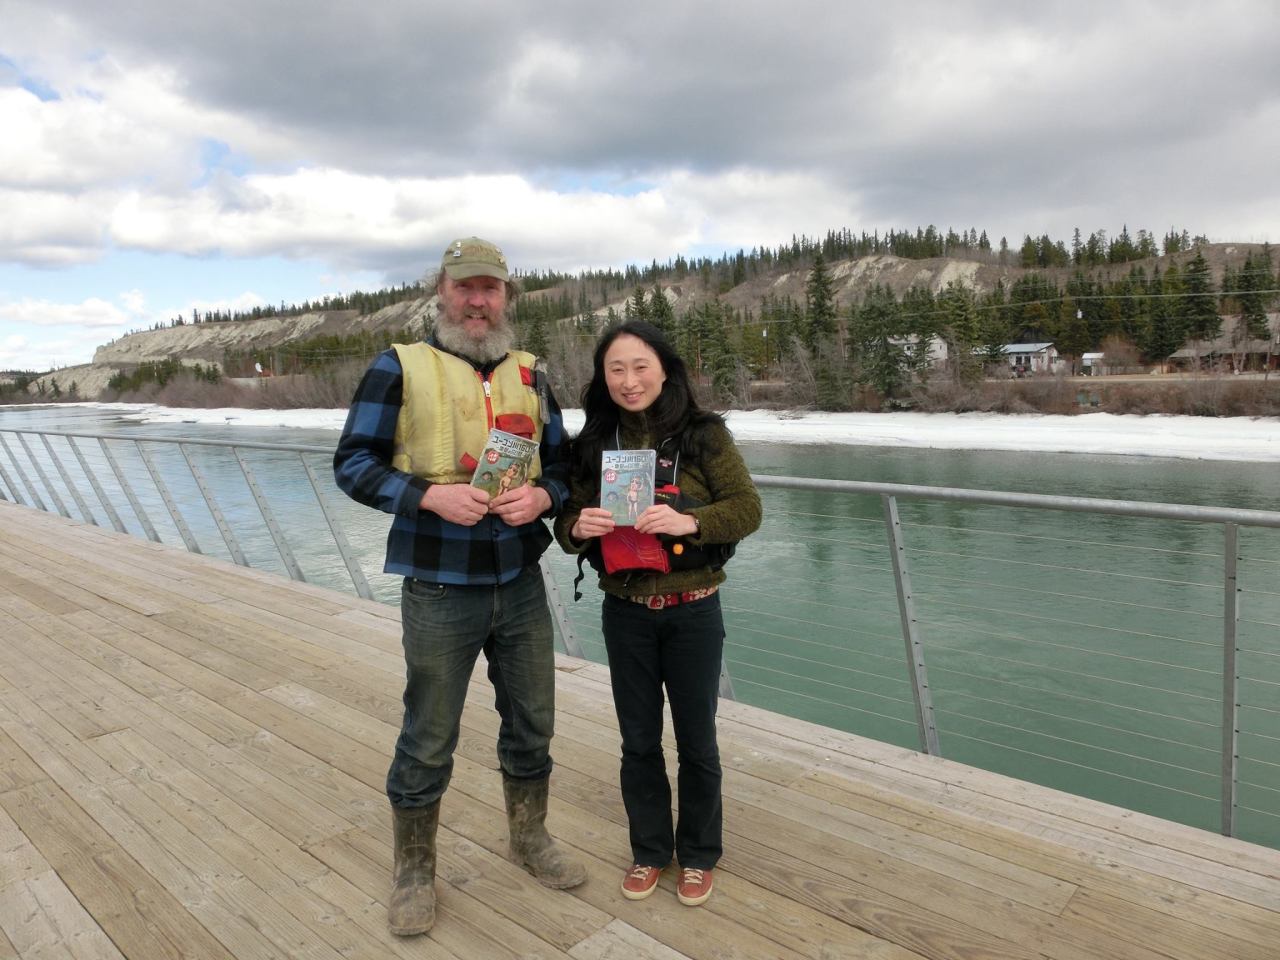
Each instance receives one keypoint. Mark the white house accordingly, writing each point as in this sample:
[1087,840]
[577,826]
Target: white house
[1027,358]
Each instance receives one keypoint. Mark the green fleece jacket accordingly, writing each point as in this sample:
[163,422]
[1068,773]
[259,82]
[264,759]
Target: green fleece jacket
[719,478]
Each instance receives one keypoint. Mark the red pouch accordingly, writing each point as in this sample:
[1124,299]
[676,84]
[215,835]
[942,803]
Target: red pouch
[518,423]
[624,549]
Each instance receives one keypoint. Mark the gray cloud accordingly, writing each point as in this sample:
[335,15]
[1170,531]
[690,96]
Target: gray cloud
[1003,117]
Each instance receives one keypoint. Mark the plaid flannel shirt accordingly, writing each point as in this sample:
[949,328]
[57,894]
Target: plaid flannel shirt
[420,543]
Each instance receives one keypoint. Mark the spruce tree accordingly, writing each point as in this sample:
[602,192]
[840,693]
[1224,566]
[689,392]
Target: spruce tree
[1165,330]
[1252,282]
[963,332]
[660,313]
[881,348]
[820,304]
[636,308]
[1199,304]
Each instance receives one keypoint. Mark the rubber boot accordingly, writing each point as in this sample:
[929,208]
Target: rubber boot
[413,893]
[531,845]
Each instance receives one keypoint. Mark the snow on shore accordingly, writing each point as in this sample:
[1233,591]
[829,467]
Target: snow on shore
[1197,438]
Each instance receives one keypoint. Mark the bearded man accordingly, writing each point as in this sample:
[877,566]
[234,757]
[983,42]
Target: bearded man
[419,420]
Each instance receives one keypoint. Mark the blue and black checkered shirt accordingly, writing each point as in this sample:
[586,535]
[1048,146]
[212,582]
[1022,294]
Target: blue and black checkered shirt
[421,544]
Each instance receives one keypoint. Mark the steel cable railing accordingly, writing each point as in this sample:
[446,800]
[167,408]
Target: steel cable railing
[1145,666]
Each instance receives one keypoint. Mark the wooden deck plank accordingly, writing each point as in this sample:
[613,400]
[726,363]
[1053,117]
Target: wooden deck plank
[192,758]
[141,917]
[1175,849]
[1090,869]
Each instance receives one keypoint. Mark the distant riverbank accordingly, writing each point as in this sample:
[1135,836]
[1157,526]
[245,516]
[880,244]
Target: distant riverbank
[1255,439]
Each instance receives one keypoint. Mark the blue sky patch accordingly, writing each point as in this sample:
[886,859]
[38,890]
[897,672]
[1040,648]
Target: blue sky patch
[33,85]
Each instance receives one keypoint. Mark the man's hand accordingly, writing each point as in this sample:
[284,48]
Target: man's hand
[522,505]
[459,503]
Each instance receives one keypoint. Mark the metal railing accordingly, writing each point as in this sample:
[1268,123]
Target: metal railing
[133,470]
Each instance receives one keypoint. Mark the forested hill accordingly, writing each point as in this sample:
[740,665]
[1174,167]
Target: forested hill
[842,288]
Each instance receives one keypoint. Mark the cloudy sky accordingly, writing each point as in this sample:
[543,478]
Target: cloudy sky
[159,156]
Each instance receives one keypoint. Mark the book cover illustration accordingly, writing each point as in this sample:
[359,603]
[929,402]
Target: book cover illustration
[504,463]
[626,483]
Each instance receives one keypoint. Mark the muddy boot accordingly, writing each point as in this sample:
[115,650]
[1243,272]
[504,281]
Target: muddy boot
[531,846]
[413,894]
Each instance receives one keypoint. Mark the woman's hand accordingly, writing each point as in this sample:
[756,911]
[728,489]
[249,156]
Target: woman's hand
[591,522]
[660,518]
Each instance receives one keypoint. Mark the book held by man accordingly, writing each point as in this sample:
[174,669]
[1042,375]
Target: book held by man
[626,483]
[504,463]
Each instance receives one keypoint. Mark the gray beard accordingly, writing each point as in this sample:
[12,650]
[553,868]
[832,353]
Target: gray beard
[495,344]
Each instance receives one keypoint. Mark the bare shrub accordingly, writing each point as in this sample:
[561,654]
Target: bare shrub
[797,371]
[1047,394]
[186,390]
[1120,355]
[569,363]
[331,388]
[1251,398]
[1203,396]
[948,396]
[1127,398]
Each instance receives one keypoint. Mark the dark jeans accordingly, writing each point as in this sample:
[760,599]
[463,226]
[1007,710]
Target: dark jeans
[444,628]
[680,648]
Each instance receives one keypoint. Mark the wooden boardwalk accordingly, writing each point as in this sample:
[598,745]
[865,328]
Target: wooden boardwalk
[191,765]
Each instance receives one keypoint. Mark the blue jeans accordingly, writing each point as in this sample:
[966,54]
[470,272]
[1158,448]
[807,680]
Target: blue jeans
[444,629]
[679,648]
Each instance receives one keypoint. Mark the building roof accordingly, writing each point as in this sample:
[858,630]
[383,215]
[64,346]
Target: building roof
[1225,342]
[1026,347]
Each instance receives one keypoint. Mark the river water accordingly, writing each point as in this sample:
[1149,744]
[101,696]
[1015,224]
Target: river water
[1079,651]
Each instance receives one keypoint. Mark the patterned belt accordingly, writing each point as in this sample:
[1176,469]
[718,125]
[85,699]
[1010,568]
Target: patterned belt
[660,600]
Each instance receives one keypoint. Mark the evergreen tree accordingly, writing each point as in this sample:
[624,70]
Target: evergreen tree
[535,334]
[660,313]
[1072,335]
[993,325]
[1252,282]
[1029,253]
[1165,330]
[820,305]
[1122,248]
[881,349]
[962,331]
[637,308]
[1199,305]
[719,357]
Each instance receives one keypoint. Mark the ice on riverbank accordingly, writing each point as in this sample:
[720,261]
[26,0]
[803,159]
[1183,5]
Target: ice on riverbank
[1197,438]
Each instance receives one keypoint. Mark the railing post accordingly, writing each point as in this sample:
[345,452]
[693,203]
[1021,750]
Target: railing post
[269,518]
[44,478]
[103,499]
[358,579]
[726,681]
[228,537]
[66,479]
[572,645]
[920,692]
[123,479]
[175,514]
[1230,681]
[9,484]
[31,490]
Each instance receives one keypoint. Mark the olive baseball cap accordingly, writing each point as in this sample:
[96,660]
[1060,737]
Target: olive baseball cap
[473,257]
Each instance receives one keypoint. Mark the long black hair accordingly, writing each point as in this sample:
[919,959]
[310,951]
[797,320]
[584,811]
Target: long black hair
[671,415]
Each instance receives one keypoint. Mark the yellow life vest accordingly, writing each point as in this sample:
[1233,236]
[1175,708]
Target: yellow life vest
[446,413]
